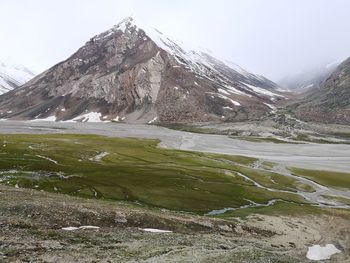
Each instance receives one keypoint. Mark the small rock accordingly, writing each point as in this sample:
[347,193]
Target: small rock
[225,227]
[120,218]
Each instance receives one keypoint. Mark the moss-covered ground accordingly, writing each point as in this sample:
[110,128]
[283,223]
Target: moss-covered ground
[326,178]
[138,171]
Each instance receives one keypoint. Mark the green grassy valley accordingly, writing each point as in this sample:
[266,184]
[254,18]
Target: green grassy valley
[138,171]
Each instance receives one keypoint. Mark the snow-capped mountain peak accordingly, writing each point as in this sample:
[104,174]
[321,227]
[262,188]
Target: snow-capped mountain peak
[134,73]
[13,76]
[201,63]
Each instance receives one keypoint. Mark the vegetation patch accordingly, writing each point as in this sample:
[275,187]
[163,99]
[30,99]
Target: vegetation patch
[340,199]
[138,171]
[326,178]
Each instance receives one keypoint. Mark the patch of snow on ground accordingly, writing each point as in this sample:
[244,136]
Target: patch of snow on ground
[72,228]
[270,106]
[236,103]
[154,230]
[89,117]
[50,118]
[227,108]
[236,91]
[153,120]
[317,252]
[223,91]
[262,91]
[89,227]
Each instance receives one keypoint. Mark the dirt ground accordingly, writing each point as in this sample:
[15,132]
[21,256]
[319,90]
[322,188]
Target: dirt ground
[31,225]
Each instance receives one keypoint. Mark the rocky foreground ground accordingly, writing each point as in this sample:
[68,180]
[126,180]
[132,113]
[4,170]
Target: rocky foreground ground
[31,225]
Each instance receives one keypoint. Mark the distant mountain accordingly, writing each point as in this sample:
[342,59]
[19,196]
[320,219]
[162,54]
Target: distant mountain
[308,79]
[134,73]
[330,103]
[12,76]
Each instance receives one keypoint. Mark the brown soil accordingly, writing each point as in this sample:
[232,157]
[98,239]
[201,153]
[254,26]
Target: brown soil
[31,231]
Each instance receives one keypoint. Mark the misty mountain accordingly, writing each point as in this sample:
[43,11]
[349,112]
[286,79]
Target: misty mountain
[308,79]
[12,76]
[135,73]
[330,103]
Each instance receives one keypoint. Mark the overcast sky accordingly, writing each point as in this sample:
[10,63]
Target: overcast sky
[270,37]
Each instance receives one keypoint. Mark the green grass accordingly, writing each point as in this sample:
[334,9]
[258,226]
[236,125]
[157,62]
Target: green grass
[268,165]
[326,178]
[340,199]
[137,170]
[273,180]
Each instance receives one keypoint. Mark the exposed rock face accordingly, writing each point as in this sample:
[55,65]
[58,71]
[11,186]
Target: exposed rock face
[12,76]
[138,75]
[331,103]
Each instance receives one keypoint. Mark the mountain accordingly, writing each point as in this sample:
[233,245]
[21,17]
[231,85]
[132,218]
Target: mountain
[309,79]
[330,103]
[136,74]
[12,76]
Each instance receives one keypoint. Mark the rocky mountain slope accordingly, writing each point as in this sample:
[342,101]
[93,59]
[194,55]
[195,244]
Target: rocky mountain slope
[309,79]
[136,74]
[12,76]
[330,103]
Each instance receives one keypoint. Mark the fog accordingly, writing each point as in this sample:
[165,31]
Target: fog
[272,37]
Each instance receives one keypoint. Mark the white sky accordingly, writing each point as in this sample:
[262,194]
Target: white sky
[270,37]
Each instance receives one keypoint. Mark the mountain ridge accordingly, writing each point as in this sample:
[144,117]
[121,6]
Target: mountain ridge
[330,103]
[309,79]
[139,75]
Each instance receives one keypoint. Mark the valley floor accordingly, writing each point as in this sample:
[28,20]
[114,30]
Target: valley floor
[320,156]
[224,199]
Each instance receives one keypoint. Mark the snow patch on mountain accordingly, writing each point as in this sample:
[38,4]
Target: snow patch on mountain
[262,91]
[50,118]
[89,117]
[13,76]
